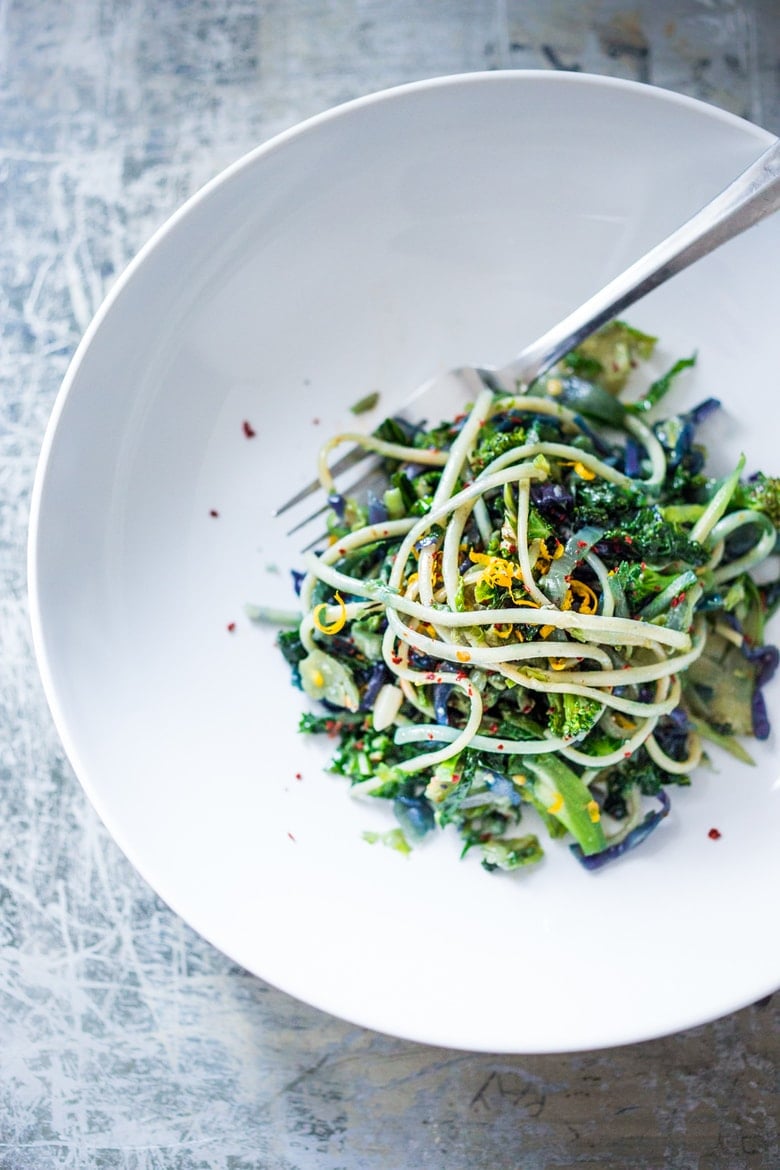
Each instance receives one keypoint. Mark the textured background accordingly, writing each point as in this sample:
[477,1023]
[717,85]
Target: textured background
[125,1040]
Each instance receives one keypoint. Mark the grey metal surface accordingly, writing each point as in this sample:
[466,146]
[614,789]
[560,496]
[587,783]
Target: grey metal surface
[125,1040]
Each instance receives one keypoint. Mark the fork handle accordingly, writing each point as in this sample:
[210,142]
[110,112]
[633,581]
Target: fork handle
[751,197]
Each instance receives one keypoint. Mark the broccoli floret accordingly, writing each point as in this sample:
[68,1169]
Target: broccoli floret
[762,494]
[572,715]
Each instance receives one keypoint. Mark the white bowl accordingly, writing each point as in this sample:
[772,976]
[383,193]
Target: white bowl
[442,222]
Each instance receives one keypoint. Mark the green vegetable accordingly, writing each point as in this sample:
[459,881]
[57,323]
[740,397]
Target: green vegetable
[565,796]
[661,387]
[325,677]
[645,535]
[511,852]
[572,715]
[613,353]
[393,838]
[365,404]
[762,494]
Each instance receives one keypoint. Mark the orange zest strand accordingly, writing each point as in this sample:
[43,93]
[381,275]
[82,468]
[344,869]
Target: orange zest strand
[580,469]
[589,602]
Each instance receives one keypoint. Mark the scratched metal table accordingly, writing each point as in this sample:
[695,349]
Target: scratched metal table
[125,1040]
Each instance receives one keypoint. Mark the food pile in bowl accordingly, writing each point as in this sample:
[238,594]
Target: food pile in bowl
[551,606]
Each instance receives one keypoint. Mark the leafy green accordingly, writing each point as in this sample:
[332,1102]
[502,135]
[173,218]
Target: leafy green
[291,646]
[640,582]
[494,442]
[615,348]
[602,503]
[645,535]
[762,494]
[661,386]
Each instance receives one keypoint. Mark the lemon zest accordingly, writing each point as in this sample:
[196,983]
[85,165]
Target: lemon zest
[334,626]
[593,811]
[497,570]
[579,468]
[557,804]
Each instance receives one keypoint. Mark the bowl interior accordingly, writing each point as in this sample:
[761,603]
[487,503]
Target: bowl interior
[443,223]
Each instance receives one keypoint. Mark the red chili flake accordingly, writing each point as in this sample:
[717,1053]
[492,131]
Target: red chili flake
[332,728]
[455,777]
[214,512]
[249,430]
[582,544]
[291,836]
[714,834]
[359,745]
[395,659]
[626,755]
[499,747]
[430,735]
[299,776]
[677,600]
[461,676]
[231,626]
[342,552]
[628,539]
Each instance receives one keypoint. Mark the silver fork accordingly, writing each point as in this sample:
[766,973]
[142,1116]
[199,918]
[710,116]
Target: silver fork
[751,197]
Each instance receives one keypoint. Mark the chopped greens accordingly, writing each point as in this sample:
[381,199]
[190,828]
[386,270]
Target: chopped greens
[544,617]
